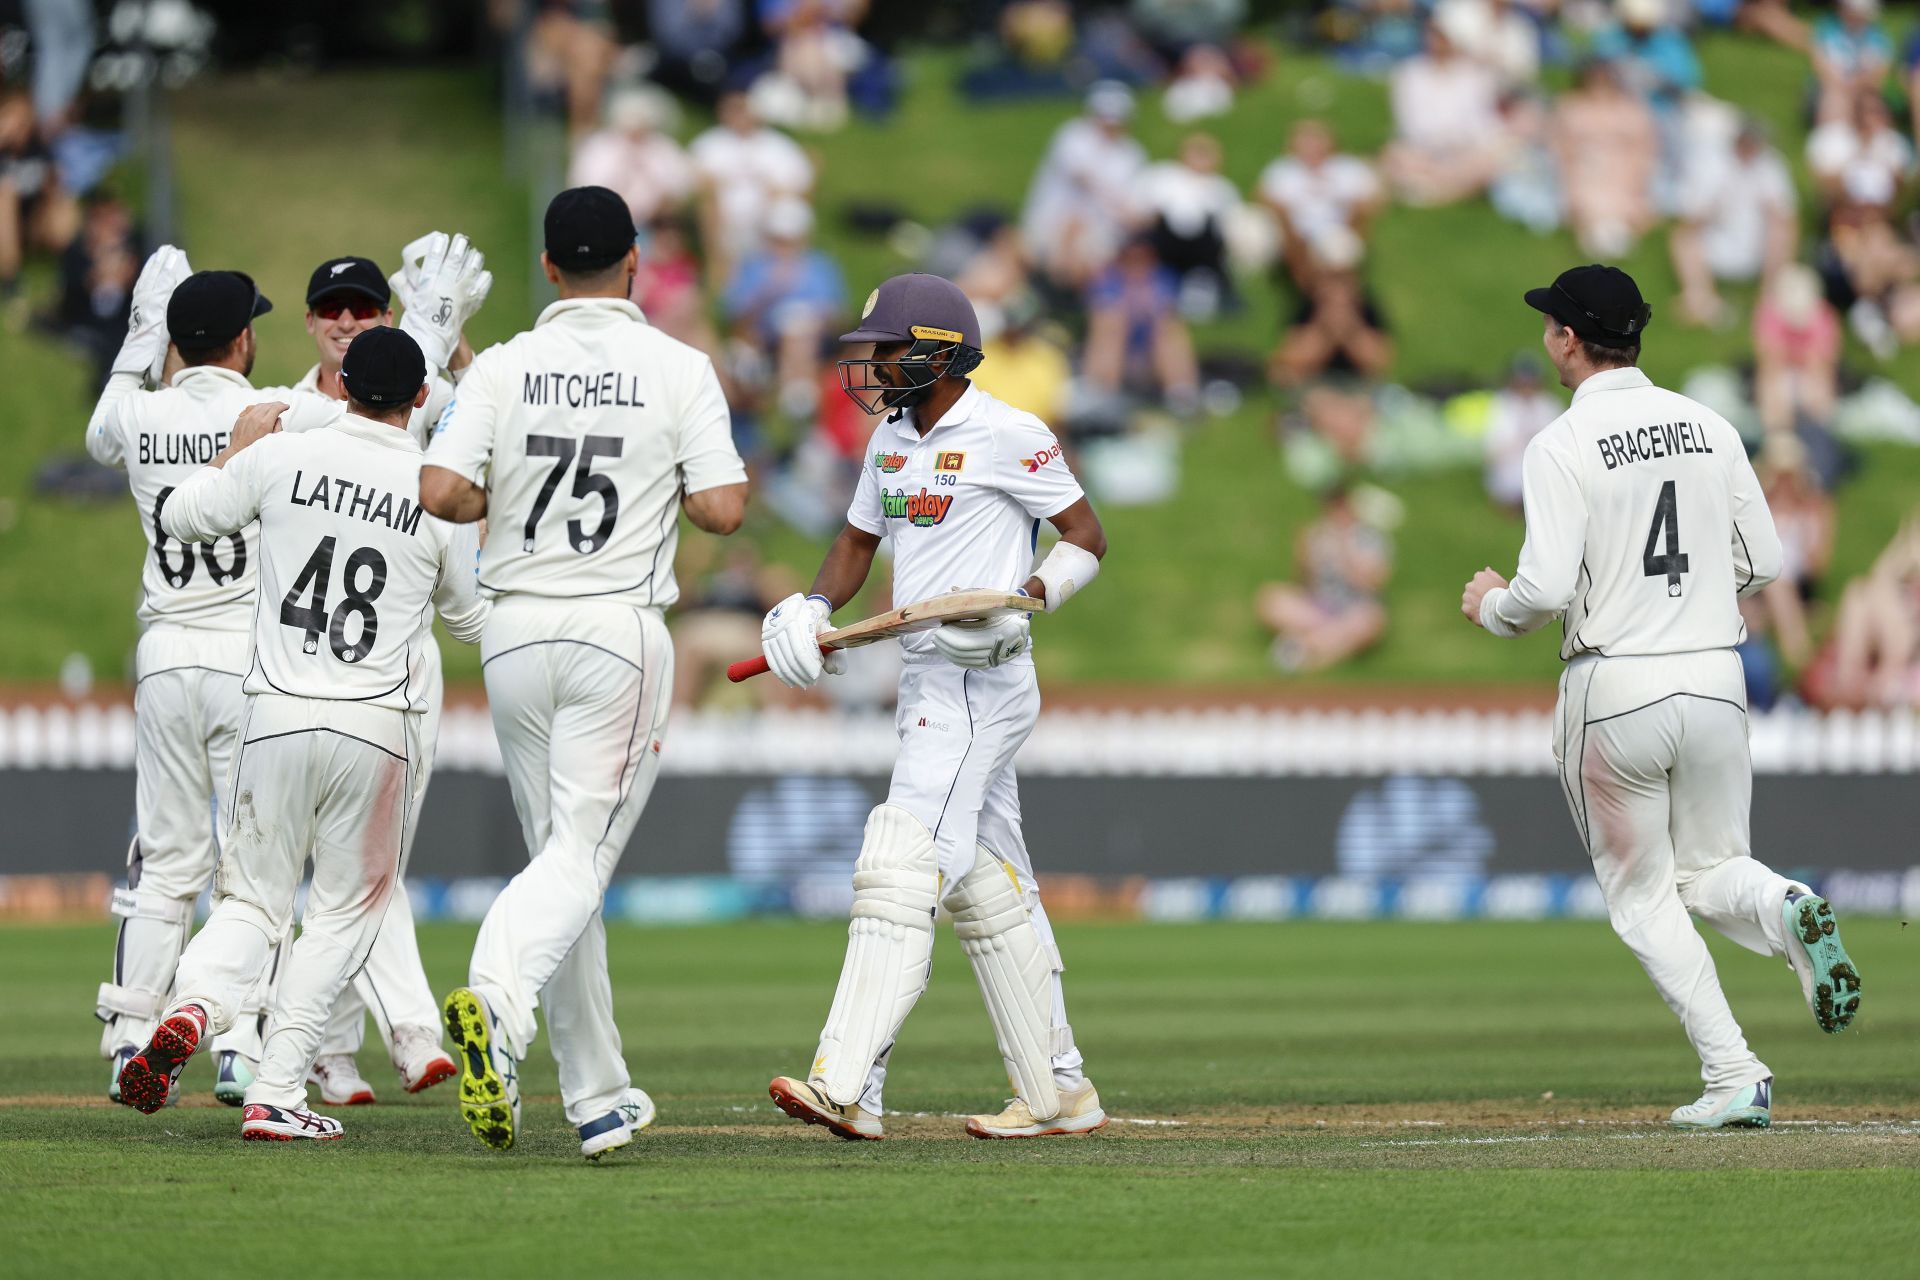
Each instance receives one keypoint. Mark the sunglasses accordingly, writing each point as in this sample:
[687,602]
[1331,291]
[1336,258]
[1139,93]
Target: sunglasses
[331,309]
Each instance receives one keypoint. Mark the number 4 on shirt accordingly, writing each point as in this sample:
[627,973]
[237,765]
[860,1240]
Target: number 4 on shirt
[1666,515]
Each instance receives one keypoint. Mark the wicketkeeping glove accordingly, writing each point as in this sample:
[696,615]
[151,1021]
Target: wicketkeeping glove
[790,639]
[145,349]
[439,275]
[985,642]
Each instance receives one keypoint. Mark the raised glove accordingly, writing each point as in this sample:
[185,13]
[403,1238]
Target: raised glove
[433,291]
[145,349]
[985,642]
[790,640]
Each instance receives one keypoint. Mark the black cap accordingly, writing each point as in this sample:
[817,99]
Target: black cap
[359,276]
[588,228]
[1600,304]
[916,306]
[383,368]
[212,308]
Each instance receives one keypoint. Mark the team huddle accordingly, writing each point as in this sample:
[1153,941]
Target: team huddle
[302,539]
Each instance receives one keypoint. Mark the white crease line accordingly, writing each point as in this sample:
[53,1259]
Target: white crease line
[1459,1142]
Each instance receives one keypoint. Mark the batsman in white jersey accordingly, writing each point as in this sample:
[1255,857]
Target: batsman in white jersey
[960,483]
[581,441]
[351,571]
[1645,527]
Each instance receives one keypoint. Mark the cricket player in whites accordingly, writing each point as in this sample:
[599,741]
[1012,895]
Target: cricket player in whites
[581,442]
[960,483]
[1645,526]
[351,571]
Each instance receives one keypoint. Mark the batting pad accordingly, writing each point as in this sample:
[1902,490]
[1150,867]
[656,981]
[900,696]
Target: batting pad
[1015,970]
[896,884]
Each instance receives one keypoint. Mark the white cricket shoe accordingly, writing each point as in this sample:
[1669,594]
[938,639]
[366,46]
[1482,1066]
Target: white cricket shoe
[340,1081]
[419,1059]
[263,1123]
[1079,1113]
[119,1063]
[233,1072]
[804,1100]
[1745,1106]
[615,1129]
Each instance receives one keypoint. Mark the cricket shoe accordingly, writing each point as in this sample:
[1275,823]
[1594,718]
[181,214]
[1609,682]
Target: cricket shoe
[1745,1106]
[147,1079]
[233,1072]
[262,1123]
[490,1085]
[804,1100]
[1079,1113]
[615,1129]
[1827,977]
[419,1059]
[119,1063]
[340,1081]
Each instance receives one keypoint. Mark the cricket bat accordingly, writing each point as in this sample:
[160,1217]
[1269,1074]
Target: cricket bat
[955,606]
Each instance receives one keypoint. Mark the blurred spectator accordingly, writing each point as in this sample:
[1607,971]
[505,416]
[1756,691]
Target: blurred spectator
[782,301]
[571,50]
[1317,191]
[994,273]
[36,212]
[1521,410]
[1609,149]
[634,157]
[1655,59]
[1804,516]
[1202,86]
[1081,198]
[1796,353]
[1737,222]
[1526,184]
[1175,26]
[695,40]
[666,288]
[1851,56]
[1185,204]
[1877,273]
[718,620]
[1021,365]
[1860,157]
[1873,656]
[1136,340]
[1446,125]
[743,167]
[816,51]
[1335,612]
[1338,328]
[61,33]
[1496,34]
[97,272]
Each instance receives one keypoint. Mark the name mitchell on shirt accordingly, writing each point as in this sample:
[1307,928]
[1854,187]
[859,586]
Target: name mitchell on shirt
[405,518]
[580,390]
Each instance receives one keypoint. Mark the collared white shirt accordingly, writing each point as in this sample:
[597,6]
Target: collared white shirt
[161,437]
[1645,526]
[585,430]
[351,567]
[963,503]
[420,425]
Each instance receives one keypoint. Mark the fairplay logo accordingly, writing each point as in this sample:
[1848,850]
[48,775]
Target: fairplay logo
[1042,458]
[922,508]
[889,462]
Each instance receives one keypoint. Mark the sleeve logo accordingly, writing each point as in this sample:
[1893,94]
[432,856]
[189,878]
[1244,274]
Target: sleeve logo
[889,462]
[950,462]
[1052,453]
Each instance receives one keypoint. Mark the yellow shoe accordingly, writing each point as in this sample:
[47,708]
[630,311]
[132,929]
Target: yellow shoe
[803,1100]
[490,1085]
[1079,1113]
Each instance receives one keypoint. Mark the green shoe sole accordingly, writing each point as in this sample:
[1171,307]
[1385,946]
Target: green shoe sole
[484,1102]
[1836,983]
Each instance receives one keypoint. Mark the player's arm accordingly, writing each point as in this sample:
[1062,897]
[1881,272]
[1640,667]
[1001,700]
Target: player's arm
[1556,539]
[223,497]
[1757,557]
[844,571]
[1063,573]
[713,479]
[453,476]
[106,442]
[717,510]
[456,593]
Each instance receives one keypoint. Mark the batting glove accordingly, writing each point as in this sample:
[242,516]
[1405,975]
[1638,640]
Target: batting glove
[986,642]
[790,639]
[145,349]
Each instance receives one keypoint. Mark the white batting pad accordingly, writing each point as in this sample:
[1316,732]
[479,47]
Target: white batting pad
[1015,970]
[896,884]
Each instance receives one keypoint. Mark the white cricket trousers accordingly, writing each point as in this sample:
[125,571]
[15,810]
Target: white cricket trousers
[579,694]
[393,986]
[1654,760]
[187,712]
[328,780]
[959,731]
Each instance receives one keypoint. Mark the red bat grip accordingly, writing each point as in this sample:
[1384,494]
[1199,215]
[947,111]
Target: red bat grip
[748,668]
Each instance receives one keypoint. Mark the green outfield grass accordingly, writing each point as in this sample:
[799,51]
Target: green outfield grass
[1374,1099]
[274,175]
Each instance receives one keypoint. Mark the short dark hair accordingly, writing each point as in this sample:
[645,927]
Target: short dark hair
[1602,356]
[191,356]
[595,278]
[397,415]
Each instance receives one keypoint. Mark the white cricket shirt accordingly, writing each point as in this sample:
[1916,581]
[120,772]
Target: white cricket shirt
[420,425]
[162,437]
[963,503]
[585,431]
[351,567]
[1645,525]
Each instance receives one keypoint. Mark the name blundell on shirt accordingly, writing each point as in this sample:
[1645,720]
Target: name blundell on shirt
[375,506]
[608,389]
[175,448]
[1664,440]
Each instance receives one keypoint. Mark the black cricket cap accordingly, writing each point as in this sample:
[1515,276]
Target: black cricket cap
[359,276]
[212,308]
[588,228]
[1600,304]
[383,368]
